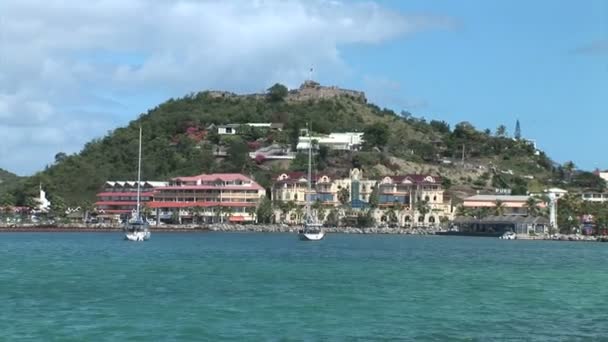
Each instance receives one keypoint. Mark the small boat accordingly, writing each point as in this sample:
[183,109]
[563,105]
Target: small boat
[508,236]
[136,228]
[313,229]
[311,232]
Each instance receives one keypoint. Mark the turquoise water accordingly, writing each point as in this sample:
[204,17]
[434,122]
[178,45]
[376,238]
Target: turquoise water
[272,287]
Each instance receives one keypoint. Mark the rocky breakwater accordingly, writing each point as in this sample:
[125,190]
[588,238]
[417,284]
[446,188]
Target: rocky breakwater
[282,228]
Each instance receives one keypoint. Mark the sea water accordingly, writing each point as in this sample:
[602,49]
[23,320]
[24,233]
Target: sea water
[273,287]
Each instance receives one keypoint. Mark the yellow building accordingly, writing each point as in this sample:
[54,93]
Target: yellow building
[395,194]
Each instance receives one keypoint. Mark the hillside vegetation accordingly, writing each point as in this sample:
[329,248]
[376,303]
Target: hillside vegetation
[176,141]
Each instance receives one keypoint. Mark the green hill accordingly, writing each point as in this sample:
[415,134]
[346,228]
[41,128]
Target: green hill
[9,183]
[176,142]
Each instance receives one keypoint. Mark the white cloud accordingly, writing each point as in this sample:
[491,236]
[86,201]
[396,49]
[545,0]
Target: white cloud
[60,59]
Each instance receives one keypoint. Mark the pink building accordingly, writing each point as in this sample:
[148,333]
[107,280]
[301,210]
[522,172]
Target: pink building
[218,197]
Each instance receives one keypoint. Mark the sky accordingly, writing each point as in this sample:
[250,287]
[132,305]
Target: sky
[71,71]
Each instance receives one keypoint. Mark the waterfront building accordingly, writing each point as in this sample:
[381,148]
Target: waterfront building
[208,198]
[498,225]
[292,187]
[119,198]
[511,204]
[409,193]
[396,194]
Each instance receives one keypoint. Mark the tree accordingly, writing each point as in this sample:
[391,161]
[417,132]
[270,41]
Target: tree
[333,218]
[238,155]
[501,131]
[376,135]
[461,210]
[59,157]
[499,208]
[343,196]
[264,211]
[373,198]
[277,92]
[423,208]
[213,137]
[589,180]
[440,126]
[569,168]
[532,206]
[58,206]
[517,134]
[299,213]
[365,220]
[7,199]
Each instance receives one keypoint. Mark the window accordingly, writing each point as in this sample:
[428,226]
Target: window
[434,198]
[421,219]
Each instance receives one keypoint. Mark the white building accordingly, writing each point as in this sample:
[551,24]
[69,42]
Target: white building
[349,141]
[231,129]
[602,174]
[595,196]
[43,204]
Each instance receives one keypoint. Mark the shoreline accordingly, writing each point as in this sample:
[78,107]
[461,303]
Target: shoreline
[262,228]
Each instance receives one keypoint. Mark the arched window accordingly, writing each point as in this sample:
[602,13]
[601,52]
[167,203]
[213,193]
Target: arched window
[407,219]
[434,198]
[420,218]
[431,219]
[427,198]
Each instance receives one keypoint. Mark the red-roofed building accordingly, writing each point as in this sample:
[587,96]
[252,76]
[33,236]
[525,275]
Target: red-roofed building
[119,198]
[217,197]
[398,194]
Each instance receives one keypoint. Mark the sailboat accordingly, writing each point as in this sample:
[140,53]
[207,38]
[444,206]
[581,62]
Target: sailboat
[136,228]
[313,229]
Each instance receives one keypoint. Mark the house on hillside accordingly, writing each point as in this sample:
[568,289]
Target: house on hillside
[231,129]
[349,141]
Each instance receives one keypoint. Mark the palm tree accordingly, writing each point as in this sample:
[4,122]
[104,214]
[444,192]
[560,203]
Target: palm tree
[343,196]
[196,214]
[461,210]
[499,208]
[423,208]
[569,168]
[252,213]
[532,206]
[299,213]
[228,211]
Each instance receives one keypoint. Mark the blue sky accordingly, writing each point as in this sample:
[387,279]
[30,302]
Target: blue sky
[69,72]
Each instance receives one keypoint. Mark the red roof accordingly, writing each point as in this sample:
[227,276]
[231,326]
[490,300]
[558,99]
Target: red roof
[254,187]
[132,194]
[198,204]
[415,178]
[225,177]
[294,177]
[116,203]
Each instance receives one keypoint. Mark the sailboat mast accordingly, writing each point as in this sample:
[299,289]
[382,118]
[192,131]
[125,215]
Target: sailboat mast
[309,172]
[138,173]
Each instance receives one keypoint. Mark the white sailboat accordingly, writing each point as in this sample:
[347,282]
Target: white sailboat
[313,229]
[136,228]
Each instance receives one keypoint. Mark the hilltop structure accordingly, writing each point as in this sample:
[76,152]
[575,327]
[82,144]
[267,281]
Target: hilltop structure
[309,90]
